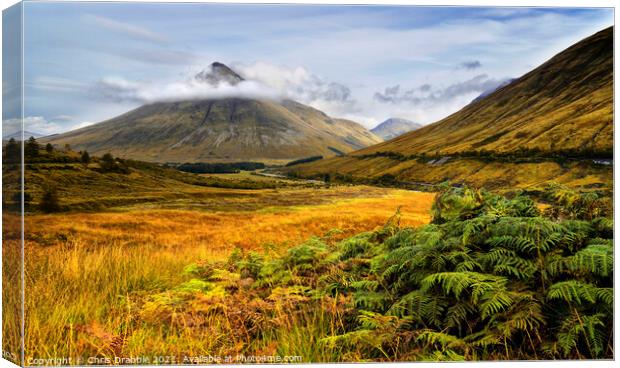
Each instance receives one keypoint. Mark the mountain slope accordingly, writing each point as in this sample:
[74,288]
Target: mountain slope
[566,103]
[517,136]
[227,129]
[394,127]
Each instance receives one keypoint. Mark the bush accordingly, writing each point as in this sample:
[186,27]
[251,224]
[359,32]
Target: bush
[220,167]
[109,164]
[49,200]
[85,158]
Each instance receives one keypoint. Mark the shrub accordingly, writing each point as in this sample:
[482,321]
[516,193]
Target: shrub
[49,200]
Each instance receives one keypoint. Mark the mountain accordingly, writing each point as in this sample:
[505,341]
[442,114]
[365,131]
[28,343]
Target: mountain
[394,127]
[226,129]
[219,73]
[563,107]
[18,135]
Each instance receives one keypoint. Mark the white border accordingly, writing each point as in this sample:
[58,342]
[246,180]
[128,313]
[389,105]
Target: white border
[496,3]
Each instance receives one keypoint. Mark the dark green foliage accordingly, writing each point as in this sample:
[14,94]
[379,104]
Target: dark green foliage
[12,152]
[220,167]
[489,278]
[49,201]
[31,149]
[49,148]
[108,163]
[85,158]
[304,160]
[593,157]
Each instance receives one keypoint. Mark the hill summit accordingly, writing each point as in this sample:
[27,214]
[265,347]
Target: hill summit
[218,73]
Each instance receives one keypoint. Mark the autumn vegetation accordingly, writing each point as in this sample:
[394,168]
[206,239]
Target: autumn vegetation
[177,264]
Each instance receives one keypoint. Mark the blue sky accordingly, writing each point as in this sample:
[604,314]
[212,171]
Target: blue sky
[87,62]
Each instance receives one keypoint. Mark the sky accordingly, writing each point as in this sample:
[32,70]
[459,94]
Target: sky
[88,62]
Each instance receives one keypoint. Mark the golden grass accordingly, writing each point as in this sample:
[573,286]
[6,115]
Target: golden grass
[86,271]
[249,175]
[493,175]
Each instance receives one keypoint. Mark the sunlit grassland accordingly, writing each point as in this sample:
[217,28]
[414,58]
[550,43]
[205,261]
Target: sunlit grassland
[11,288]
[478,173]
[246,175]
[87,273]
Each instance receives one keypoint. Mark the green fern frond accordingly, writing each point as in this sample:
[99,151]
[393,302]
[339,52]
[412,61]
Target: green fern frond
[572,291]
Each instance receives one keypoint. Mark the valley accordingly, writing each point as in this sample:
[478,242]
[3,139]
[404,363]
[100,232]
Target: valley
[141,239]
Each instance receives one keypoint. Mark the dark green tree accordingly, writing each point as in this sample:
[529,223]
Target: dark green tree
[49,148]
[107,162]
[85,158]
[12,151]
[31,149]
[49,201]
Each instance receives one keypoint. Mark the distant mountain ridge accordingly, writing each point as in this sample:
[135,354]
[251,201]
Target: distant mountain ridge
[18,135]
[226,129]
[394,127]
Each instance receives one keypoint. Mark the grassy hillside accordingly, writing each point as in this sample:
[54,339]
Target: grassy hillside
[547,125]
[492,174]
[566,103]
[93,186]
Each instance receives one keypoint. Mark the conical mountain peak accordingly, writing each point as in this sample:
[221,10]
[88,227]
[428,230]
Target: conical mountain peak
[218,73]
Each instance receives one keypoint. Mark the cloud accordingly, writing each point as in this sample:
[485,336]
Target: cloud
[296,82]
[83,124]
[471,65]
[158,56]
[425,94]
[120,90]
[127,29]
[63,118]
[55,84]
[261,81]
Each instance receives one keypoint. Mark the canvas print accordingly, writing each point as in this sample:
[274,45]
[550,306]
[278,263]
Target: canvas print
[193,183]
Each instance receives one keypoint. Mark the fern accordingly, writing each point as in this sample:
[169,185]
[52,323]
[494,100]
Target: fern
[572,291]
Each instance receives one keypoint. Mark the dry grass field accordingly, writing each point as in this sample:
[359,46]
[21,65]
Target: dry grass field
[90,276]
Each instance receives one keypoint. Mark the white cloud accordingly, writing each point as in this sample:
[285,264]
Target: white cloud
[83,124]
[297,83]
[117,89]
[126,28]
[55,84]
[262,81]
